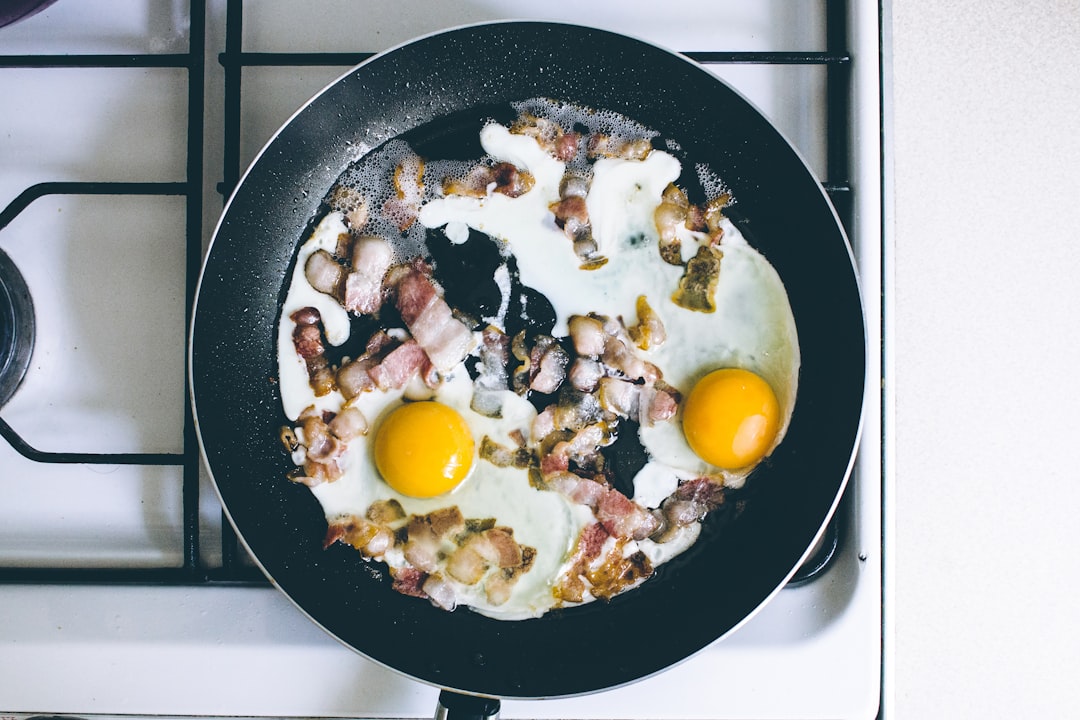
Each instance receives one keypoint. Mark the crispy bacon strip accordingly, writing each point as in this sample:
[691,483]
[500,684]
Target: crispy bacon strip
[319,441]
[445,339]
[690,503]
[493,368]
[369,538]
[697,287]
[620,516]
[362,289]
[308,341]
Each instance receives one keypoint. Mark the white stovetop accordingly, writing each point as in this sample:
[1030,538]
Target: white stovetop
[166,651]
[987,167]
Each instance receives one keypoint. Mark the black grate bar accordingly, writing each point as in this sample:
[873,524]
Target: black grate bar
[838,109]
[181,575]
[190,571]
[234,58]
[193,258]
[31,453]
[99,61]
[345,59]
[234,25]
[35,192]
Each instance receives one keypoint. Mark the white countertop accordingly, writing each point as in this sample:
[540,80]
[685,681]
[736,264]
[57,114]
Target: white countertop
[987,167]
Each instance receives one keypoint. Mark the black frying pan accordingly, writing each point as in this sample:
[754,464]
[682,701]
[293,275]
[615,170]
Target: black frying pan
[434,87]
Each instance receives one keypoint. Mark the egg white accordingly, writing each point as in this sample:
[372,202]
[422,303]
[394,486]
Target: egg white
[753,328]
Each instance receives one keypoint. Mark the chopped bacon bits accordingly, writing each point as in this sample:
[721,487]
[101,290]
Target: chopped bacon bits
[584,386]
[697,287]
[445,339]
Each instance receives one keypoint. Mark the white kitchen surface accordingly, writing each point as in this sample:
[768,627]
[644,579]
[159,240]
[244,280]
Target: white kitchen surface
[987,169]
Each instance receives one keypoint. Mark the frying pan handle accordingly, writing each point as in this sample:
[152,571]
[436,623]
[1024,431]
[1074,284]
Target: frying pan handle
[453,706]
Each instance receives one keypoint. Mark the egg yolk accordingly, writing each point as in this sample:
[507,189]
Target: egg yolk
[730,418]
[423,449]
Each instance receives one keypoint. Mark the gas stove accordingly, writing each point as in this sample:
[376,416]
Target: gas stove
[123,591]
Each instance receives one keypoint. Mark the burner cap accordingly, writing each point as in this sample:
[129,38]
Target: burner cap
[16,328]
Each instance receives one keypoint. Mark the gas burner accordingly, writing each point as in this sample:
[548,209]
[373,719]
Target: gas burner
[16,328]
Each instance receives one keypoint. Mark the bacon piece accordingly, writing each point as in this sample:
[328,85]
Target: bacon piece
[673,212]
[493,373]
[511,181]
[445,339]
[618,573]
[662,405]
[502,177]
[354,206]
[585,374]
[588,335]
[618,355]
[501,456]
[713,214]
[354,377]
[320,442]
[362,291]
[445,521]
[385,512]
[590,545]
[467,566]
[611,146]
[565,148]
[544,424]
[549,135]
[324,273]
[572,217]
[582,491]
[571,214]
[482,551]
[591,541]
[690,503]
[408,181]
[543,366]
[308,342]
[409,581]
[618,396]
[399,365]
[548,362]
[501,583]
[646,404]
[497,546]
[649,330]
[475,184]
[349,424]
[620,516]
[440,591]
[369,538]
[697,286]
[553,464]
[583,446]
